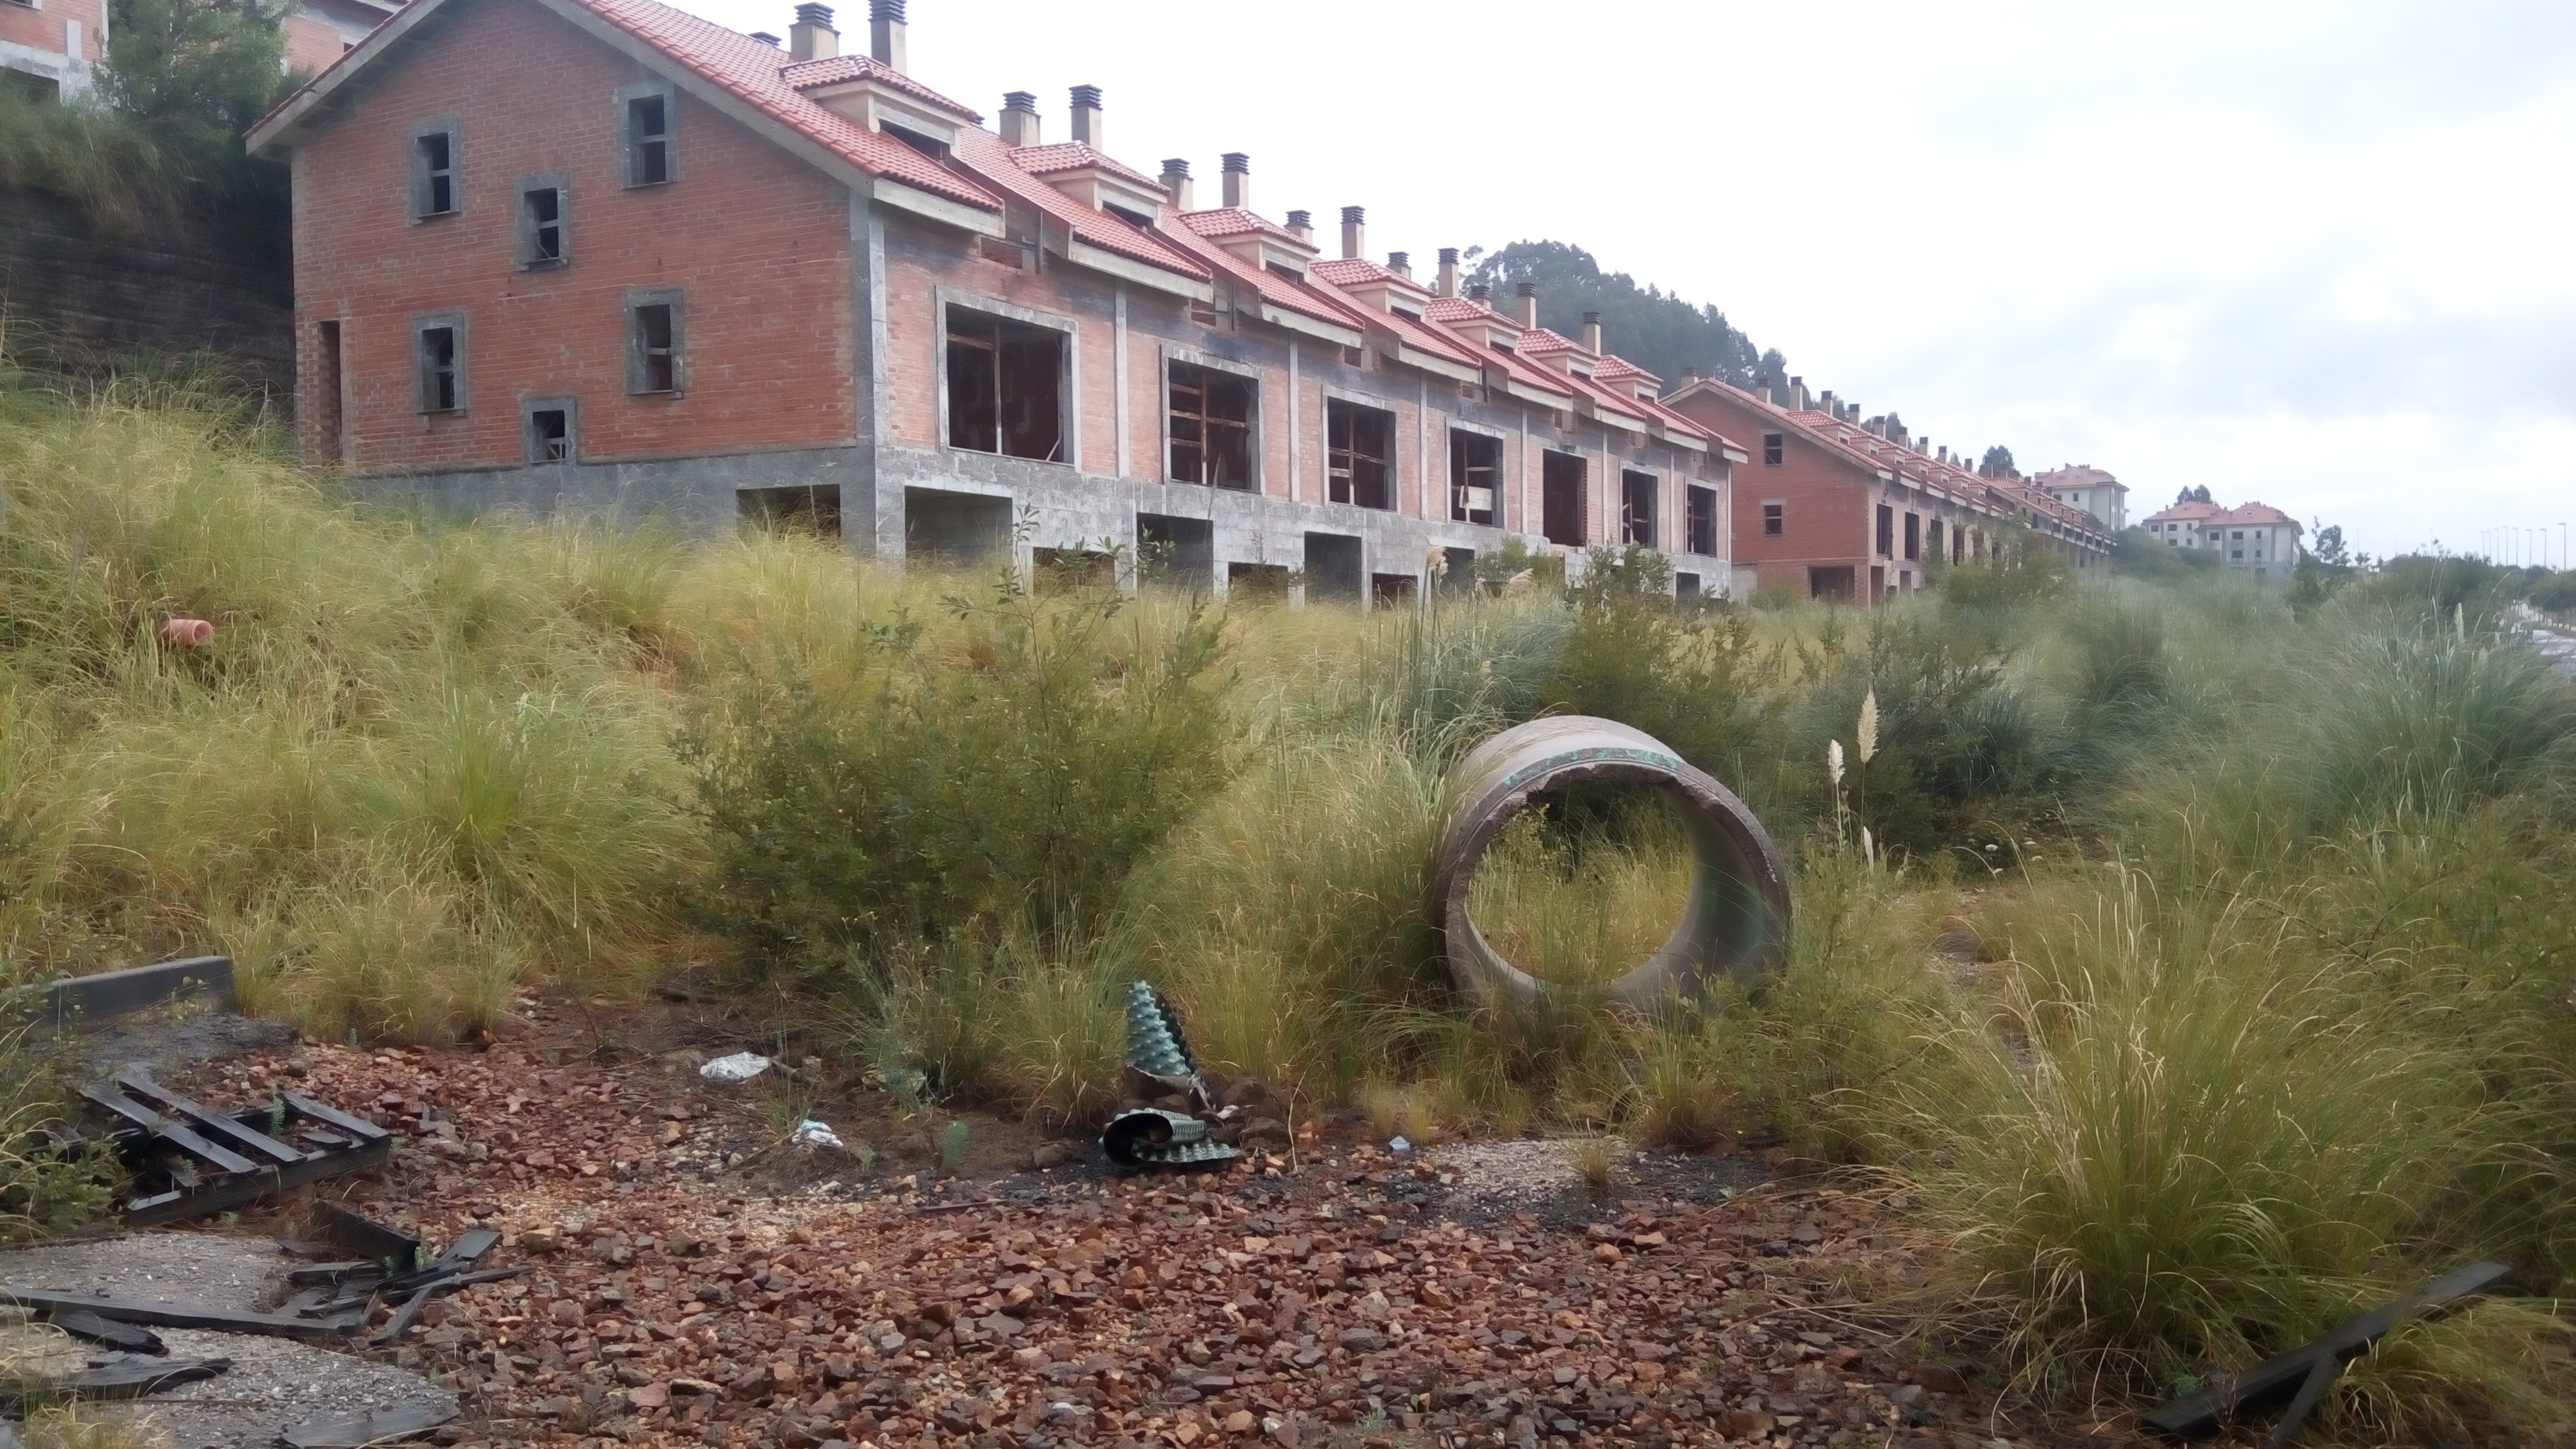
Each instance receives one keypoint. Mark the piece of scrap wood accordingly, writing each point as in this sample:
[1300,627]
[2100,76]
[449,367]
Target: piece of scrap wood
[384,1426]
[133,1338]
[46,1302]
[125,1378]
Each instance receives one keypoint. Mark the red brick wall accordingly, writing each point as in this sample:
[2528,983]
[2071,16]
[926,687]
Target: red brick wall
[1827,501]
[43,29]
[759,241]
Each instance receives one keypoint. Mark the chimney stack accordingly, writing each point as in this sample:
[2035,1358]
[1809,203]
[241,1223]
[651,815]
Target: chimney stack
[1301,225]
[1448,285]
[1176,180]
[812,36]
[1797,394]
[885,33]
[1525,301]
[1479,292]
[1400,263]
[1761,389]
[1086,118]
[1832,409]
[1020,119]
[1354,230]
[1592,333]
[1238,179]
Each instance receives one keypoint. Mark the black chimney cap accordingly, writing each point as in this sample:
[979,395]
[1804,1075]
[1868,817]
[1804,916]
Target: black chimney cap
[1448,256]
[1086,98]
[1301,220]
[1478,291]
[1354,213]
[1020,101]
[810,13]
[886,10]
[1236,161]
[1526,289]
[1176,166]
[1591,318]
[764,37]
[1398,261]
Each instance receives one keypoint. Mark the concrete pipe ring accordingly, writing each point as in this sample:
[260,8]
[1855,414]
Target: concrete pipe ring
[1737,920]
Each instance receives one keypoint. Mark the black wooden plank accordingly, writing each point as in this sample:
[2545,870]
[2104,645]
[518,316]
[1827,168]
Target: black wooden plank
[176,1133]
[364,1130]
[469,1245]
[366,1236]
[132,1338]
[126,1378]
[234,1191]
[2280,1375]
[46,1302]
[207,1118]
[385,1426]
[331,1275]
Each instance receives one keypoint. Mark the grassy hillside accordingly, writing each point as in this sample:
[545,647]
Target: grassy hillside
[2266,1015]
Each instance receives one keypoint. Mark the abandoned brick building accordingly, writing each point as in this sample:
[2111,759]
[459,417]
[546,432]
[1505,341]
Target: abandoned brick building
[1845,507]
[52,48]
[604,256]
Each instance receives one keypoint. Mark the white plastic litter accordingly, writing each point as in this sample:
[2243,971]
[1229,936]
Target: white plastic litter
[811,1133]
[1399,1145]
[740,1067]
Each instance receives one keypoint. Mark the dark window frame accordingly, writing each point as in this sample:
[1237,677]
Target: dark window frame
[1199,441]
[528,229]
[637,149]
[1638,525]
[1565,514]
[423,184]
[1775,518]
[644,377]
[1352,473]
[1775,448]
[1914,537]
[1699,520]
[1466,446]
[532,449]
[1885,537]
[428,398]
[978,345]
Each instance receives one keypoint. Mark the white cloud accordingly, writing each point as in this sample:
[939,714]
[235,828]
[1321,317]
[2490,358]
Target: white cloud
[2308,252]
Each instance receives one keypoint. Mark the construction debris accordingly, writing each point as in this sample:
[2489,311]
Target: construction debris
[192,1160]
[2312,1367]
[385,1426]
[123,1337]
[109,1376]
[740,1067]
[1159,1065]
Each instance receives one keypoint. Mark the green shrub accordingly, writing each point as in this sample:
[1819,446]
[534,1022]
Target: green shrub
[1008,770]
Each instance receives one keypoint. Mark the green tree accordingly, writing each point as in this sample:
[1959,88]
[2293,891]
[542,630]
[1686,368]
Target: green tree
[1651,327]
[1998,463]
[197,73]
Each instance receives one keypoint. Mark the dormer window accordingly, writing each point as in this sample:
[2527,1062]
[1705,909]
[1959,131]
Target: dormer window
[930,146]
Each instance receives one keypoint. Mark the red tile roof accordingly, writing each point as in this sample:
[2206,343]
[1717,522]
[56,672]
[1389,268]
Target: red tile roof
[1199,231]
[1360,272]
[993,163]
[1078,156]
[1235,221]
[2187,511]
[842,69]
[2255,513]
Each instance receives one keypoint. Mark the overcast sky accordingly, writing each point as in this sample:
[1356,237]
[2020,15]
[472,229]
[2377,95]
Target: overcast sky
[2313,254]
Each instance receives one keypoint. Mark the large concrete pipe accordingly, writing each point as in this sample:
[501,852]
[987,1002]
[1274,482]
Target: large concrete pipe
[1737,920]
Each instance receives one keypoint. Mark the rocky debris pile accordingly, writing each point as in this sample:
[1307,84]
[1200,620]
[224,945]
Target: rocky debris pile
[1311,1303]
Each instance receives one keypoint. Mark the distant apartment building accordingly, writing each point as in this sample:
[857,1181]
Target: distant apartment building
[2089,488]
[1835,506]
[604,256]
[2256,540]
[49,48]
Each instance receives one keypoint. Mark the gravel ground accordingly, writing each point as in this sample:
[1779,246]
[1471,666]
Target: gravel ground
[273,1383]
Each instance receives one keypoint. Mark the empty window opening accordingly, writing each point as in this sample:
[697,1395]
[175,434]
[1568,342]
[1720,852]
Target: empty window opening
[1830,583]
[1773,445]
[957,530]
[1070,570]
[930,146]
[330,418]
[1878,585]
[1211,422]
[1177,553]
[1561,502]
[1393,588]
[1458,571]
[1007,253]
[1775,519]
[1699,517]
[1932,539]
[1334,568]
[434,154]
[1914,535]
[1359,445]
[1685,586]
[1886,541]
[648,140]
[550,435]
[441,389]
[1005,386]
[813,509]
[1637,508]
[1257,583]
[1475,477]
[653,342]
[541,226]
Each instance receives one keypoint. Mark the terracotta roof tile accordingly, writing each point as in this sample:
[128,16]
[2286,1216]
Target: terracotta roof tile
[1078,156]
[841,69]
[1235,221]
[982,153]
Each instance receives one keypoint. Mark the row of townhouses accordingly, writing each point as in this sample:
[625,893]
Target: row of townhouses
[606,257]
[52,48]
